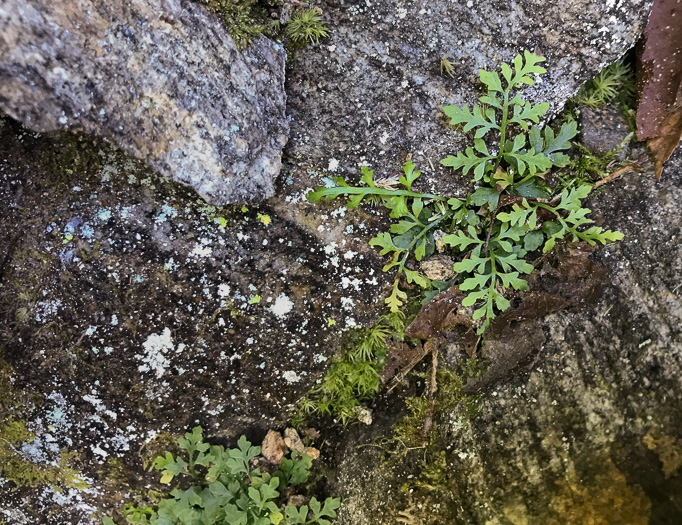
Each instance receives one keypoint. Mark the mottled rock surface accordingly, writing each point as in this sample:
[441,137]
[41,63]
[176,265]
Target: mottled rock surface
[590,431]
[134,311]
[161,79]
[373,91]
[603,130]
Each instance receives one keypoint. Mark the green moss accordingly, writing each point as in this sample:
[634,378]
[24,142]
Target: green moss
[354,377]
[245,19]
[614,83]
[249,19]
[14,467]
[408,432]
[306,26]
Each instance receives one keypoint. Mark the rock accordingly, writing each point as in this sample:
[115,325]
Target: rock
[312,452]
[603,130]
[592,433]
[272,448]
[438,268]
[293,441]
[133,311]
[363,414]
[161,79]
[373,93]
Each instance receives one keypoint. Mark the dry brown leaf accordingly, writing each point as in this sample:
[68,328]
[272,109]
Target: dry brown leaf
[659,82]
[441,314]
[398,354]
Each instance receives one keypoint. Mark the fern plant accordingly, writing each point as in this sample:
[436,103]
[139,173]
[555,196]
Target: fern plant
[511,212]
[221,486]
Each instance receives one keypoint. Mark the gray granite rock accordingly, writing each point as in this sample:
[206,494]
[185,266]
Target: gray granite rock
[373,91]
[605,129]
[161,79]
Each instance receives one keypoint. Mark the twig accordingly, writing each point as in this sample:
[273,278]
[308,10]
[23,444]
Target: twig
[428,420]
[625,169]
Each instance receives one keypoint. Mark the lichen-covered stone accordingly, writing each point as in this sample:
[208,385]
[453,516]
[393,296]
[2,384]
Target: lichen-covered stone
[590,430]
[135,310]
[161,79]
[373,91]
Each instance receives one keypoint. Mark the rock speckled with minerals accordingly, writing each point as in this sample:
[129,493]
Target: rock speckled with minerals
[162,80]
[373,91]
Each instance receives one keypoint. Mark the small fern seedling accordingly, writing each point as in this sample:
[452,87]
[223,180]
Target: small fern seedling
[511,213]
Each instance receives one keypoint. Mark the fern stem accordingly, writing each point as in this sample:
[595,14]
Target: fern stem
[503,129]
[356,190]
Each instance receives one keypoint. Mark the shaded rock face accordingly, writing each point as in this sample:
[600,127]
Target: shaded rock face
[131,308]
[593,433]
[373,91]
[161,79]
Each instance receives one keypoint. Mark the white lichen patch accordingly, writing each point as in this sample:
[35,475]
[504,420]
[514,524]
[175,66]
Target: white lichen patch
[283,305]
[291,377]
[202,249]
[156,350]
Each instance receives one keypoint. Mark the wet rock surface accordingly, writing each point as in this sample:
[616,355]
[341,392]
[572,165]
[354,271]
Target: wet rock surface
[135,311]
[603,130]
[373,91]
[162,80]
[591,431]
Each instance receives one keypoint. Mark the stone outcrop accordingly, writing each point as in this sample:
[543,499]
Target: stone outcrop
[373,91]
[161,79]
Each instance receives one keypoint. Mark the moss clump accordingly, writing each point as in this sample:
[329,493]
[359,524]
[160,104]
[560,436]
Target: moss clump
[249,19]
[245,19]
[14,466]
[355,377]
[408,432]
[306,26]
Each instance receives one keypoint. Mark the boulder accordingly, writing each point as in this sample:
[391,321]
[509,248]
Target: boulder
[161,79]
[372,92]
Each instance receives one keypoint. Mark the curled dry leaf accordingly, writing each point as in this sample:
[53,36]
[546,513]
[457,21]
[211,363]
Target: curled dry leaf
[659,82]
[441,314]
[398,354]
[515,338]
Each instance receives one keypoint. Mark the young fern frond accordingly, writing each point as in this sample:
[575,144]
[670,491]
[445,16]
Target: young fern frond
[490,235]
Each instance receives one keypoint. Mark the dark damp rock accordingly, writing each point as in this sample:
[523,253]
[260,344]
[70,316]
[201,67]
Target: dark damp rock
[604,129]
[135,310]
[591,431]
[163,80]
[373,91]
